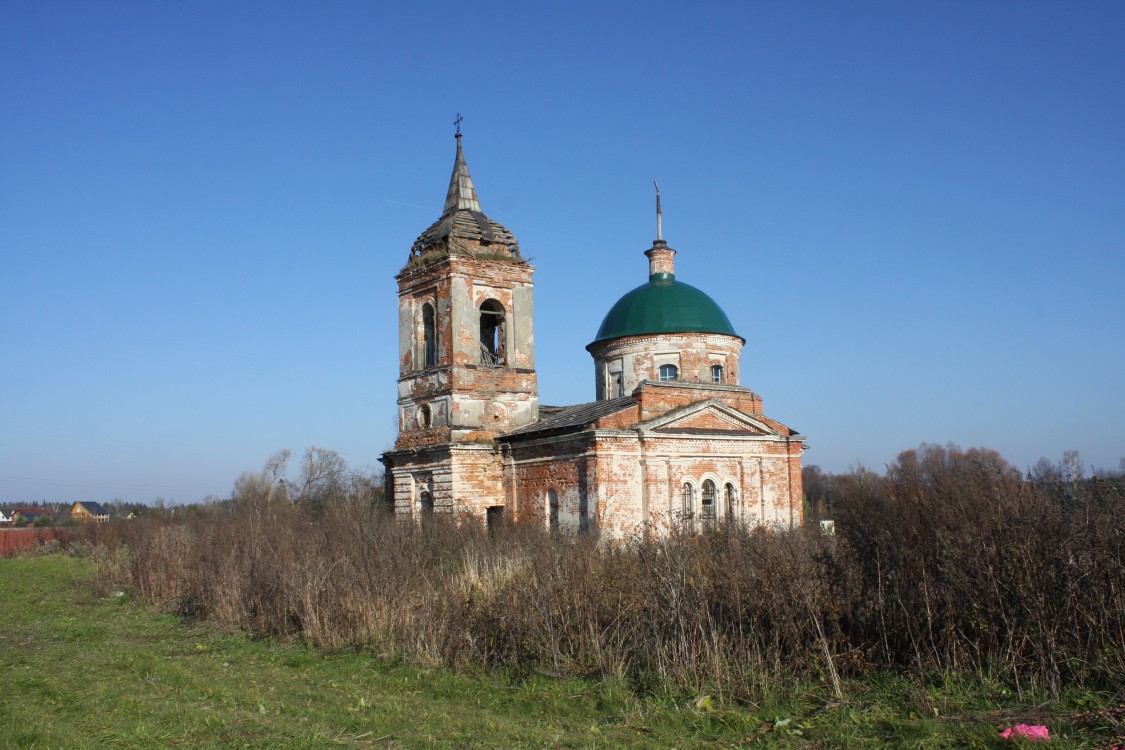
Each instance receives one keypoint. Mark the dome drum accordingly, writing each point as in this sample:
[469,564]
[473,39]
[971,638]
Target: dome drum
[621,364]
[664,330]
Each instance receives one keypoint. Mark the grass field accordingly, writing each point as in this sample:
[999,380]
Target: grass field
[84,667]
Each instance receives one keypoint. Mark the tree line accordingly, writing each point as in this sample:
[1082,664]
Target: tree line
[823,490]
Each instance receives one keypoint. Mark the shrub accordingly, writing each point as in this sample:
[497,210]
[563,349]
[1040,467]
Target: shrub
[950,563]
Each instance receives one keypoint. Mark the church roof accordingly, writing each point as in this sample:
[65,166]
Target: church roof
[664,305]
[462,220]
[579,415]
[462,196]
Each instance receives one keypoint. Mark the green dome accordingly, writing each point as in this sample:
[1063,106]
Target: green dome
[664,305]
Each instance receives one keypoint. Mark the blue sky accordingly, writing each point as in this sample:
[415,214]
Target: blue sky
[913,212]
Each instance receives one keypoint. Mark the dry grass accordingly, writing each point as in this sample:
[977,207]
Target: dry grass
[950,565]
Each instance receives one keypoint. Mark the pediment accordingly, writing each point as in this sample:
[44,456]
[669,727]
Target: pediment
[708,417]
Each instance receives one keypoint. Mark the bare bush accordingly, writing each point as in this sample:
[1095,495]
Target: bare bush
[965,566]
[951,562]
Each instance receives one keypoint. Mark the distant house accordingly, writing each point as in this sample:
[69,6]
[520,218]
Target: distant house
[28,516]
[85,512]
[5,519]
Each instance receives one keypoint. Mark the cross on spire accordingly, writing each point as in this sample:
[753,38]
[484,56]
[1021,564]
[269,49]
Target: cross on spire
[457,124]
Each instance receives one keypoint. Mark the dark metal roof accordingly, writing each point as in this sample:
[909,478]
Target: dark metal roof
[94,509]
[467,225]
[462,219]
[553,418]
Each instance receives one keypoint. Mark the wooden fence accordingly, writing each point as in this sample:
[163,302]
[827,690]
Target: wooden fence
[13,541]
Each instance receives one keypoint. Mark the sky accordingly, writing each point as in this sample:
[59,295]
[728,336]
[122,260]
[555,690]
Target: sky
[914,213]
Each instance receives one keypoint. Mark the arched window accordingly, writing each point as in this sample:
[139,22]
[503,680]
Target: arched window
[552,510]
[669,372]
[688,505]
[426,500]
[429,336]
[707,514]
[732,502]
[492,334]
[716,373]
[424,417]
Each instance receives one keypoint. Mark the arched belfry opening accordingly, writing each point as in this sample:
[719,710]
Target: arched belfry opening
[493,333]
[429,336]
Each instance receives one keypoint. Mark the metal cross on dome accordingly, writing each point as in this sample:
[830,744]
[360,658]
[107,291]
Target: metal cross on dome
[457,124]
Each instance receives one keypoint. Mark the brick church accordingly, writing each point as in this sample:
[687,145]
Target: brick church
[672,438]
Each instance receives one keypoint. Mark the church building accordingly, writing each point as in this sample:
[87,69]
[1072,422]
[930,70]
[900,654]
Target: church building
[671,440]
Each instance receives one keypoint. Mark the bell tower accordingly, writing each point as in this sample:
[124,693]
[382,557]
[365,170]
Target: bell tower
[466,356]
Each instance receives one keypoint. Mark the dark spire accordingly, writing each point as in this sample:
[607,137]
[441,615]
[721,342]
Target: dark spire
[462,219]
[462,195]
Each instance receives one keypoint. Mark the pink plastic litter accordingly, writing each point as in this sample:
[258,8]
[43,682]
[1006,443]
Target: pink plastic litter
[1027,732]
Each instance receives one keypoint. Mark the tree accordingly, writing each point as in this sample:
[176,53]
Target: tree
[274,470]
[818,491]
[251,488]
[322,482]
[365,487]
[1073,469]
[1045,472]
[265,487]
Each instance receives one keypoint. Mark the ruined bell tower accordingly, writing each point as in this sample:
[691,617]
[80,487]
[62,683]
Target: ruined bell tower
[466,358]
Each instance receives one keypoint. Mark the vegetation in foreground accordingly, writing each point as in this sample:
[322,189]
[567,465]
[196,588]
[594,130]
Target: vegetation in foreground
[84,666]
[952,564]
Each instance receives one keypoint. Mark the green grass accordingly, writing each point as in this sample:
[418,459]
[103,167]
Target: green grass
[83,668]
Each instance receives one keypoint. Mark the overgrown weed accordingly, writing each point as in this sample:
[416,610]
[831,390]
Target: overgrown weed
[952,565]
